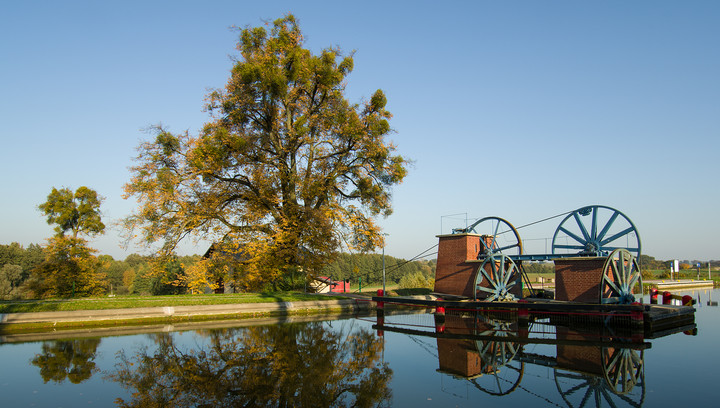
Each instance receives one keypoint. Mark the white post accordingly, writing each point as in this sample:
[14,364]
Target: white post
[384,267]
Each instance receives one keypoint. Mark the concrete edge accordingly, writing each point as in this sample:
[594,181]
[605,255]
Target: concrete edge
[180,311]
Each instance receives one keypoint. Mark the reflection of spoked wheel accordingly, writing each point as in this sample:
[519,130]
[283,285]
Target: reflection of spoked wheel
[623,380]
[623,369]
[502,374]
[498,279]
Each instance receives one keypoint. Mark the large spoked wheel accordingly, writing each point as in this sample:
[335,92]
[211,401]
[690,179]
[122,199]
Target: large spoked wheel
[623,369]
[595,231]
[498,279]
[498,236]
[621,278]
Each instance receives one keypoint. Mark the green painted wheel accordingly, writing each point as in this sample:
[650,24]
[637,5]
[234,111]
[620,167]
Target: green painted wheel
[502,276]
[621,278]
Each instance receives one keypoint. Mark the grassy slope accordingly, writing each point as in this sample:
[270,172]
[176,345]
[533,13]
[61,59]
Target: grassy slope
[121,302]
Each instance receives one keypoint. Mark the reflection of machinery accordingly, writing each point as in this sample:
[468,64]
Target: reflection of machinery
[591,368]
[594,376]
[488,359]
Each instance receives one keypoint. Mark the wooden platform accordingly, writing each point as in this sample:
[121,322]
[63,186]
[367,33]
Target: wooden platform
[652,319]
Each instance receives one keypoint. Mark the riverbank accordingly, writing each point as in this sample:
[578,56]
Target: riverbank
[680,284]
[61,320]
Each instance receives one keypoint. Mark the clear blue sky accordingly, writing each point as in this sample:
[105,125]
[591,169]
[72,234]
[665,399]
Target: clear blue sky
[517,109]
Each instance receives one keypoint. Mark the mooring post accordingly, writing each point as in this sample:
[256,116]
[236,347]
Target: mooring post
[439,312]
[380,303]
[523,320]
[653,295]
[667,298]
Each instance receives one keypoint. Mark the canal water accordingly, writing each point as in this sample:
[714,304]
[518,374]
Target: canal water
[409,360]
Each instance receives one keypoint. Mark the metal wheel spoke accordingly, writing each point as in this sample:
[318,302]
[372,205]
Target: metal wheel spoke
[615,274]
[618,235]
[622,270]
[572,376]
[489,279]
[578,387]
[507,247]
[486,289]
[593,229]
[586,396]
[612,286]
[573,236]
[607,226]
[508,274]
[635,279]
[582,227]
[510,286]
[608,398]
[569,247]
[613,362]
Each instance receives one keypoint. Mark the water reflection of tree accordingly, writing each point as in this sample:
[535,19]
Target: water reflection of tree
[307,365]
[67,359]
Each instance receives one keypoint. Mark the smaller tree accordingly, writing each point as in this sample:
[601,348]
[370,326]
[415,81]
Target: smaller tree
[77,212]
[69,267]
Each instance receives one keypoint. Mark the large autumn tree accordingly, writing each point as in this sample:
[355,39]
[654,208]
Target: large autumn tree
[287,170]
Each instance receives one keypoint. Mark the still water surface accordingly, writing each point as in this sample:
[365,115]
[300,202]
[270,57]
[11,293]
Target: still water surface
[347,362]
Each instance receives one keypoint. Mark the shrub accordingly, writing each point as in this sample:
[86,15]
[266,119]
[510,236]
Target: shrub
[416,280]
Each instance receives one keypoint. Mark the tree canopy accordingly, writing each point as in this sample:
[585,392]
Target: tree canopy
[286,171]
[77,212]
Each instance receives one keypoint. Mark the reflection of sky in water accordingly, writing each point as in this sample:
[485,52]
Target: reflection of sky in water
[679,369]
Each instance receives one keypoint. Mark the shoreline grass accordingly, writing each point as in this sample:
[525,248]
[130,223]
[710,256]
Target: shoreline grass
[134,301]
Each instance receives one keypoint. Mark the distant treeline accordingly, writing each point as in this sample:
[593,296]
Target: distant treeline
[136,274]
[368,268]
[130,276]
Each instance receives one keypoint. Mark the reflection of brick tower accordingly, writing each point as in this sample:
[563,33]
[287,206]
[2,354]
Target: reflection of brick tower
[586,359]
[464,357]
[459,357]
